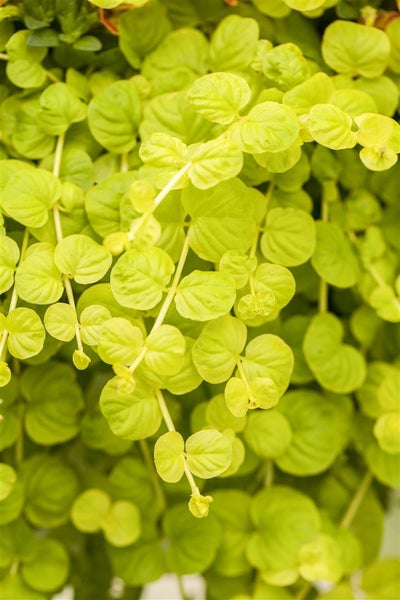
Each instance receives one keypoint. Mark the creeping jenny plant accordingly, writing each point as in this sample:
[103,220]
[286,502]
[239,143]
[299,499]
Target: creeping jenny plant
[199,296]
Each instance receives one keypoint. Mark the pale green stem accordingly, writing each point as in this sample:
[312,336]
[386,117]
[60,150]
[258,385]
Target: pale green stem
[14,567]
[269,473]
[171,427]
[181,588]
[194,489]
[14,296]
[346,521]
[124,162]
[171,184]
[164,411]
[3,56]
[60,237]
[356,501]
[172,290]
[58,155]
[52,77]
[167,302]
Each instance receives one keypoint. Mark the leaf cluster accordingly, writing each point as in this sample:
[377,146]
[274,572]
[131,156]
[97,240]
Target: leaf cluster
[199,296]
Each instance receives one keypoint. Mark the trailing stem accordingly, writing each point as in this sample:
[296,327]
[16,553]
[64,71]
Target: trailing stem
[60,237]
[323,286]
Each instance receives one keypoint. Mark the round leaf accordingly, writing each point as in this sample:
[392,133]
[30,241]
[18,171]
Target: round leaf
[334,259]
[121,525]
[165,350]
[268,433]
[88,510]
[9,255]
[338,367]
[289,236]
[81,258]
[168,456]
[209,453]
[114,115]
[203,295]
[219,96]
[131,416]
[60,321]
[139,277]
[29,195]
[119,341]
[26,333]
[354,49]
[218,347]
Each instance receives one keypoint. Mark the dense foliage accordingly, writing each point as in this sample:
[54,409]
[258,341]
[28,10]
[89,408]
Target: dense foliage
[199,296]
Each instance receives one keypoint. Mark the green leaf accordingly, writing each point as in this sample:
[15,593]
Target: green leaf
[9,255]
[53,403]
[114,115]
[26,333]
[59,108]
[213,162]
[131,416]
[163,151]
[219,97]
[237,265]
[121,524]
[269,127]
[208,453]
[219,417]
[331,127]
[233,44]
[23,67]
[11,506]
[82,259]
[268,433]
[380,579]
[12,586]
[187,378]
[29,195]
[88,510]
[138,279]
[321,559]
[285,520]
[92,320]
[222,218]
[217,349]
[193,542]
[353,49]
[119,341]
[141,30]
[267,355]
[289,237]
[315,427]
[317,89]
[165,350]
[334,259]
[387,430]
[338,367]
[169,456]
[285,65]
[8,477]
[48,567]
[204,295]
[140,563]
[61,322]
[37,279]
[50,489]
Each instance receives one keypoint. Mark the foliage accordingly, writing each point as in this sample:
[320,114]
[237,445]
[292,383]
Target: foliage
[200,296]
